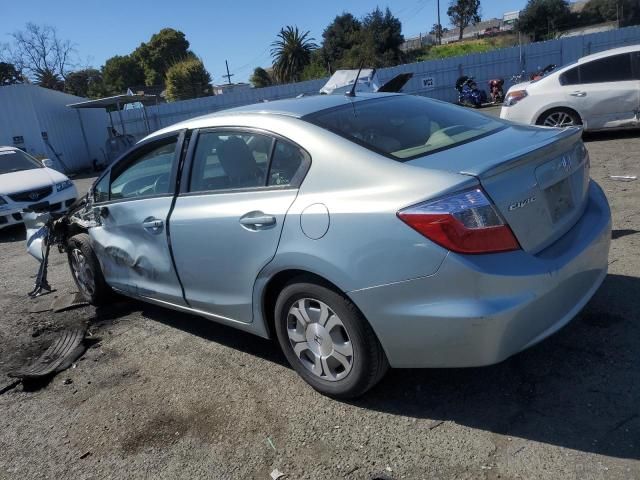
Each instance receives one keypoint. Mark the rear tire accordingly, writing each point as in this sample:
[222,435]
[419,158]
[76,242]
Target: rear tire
[327,340]
[560,117]
[86,271]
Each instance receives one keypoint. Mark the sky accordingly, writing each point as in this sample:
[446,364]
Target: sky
[239,31]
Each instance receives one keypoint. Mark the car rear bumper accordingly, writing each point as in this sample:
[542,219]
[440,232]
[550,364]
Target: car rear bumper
[479,310]
[517,113]
[11,214]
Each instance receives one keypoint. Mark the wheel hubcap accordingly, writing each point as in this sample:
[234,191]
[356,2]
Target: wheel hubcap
[82,272]
[319,339]
[559,119]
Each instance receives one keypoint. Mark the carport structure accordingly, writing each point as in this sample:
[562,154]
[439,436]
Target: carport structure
[120,141]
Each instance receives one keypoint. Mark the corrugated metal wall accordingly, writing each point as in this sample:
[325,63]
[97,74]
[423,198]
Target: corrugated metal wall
[439,76]
[28,111]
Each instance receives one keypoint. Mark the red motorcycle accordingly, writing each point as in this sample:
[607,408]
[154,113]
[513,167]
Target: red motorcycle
[496,93]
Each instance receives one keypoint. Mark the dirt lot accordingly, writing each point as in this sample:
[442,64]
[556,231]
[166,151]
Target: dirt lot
[165,395]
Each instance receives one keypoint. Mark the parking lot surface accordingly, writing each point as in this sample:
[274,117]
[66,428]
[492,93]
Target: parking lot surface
[161,394]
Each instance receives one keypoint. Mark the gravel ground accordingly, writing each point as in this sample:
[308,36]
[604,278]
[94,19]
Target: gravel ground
[166,395]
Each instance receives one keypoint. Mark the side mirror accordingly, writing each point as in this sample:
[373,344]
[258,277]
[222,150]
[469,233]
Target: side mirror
[47,162]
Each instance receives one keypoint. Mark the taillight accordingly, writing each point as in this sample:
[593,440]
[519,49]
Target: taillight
[514,97]
[465,222]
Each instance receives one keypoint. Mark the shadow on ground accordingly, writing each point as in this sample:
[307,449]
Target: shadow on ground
[14,233]
[579,389]
[610,135]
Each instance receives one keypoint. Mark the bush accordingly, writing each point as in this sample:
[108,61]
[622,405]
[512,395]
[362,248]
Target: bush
[187,79]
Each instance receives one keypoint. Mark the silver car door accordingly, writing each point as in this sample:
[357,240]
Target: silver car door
[132,203]
[226,225]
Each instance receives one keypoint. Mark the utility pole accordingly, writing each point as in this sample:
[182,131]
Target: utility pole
[228,75]
[439,32]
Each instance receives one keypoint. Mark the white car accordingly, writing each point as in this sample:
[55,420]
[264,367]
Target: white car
[599,91]
[25,181]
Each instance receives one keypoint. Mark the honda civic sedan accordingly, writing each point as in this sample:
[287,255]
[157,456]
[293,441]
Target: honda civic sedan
[361,232]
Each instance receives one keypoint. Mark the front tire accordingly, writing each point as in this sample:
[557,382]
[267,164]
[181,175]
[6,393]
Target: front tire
[327,340]
[85,270]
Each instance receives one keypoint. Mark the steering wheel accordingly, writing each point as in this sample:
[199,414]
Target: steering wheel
[161,185]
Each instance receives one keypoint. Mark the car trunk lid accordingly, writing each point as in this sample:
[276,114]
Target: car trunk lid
[537,178]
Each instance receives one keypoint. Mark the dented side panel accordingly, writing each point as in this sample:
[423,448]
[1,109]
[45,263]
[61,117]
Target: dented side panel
[130,241]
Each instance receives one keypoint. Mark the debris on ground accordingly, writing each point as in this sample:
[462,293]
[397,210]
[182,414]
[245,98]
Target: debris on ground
[69,301]
[277,474]
[65,350]
[623,178]
[271,443]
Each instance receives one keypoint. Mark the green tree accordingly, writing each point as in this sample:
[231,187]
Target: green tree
[9,74]
[339,37]
[541,18]
[627,12]
[260,78]
[49,79]
[378,42]
[291,52]
[84,83]
[164,49]
[187,79]
[462,13]
[120,73]
[316,68]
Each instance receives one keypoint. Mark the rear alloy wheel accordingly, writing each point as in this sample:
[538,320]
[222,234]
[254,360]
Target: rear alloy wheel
[561,118]
[327,340]
[86,271]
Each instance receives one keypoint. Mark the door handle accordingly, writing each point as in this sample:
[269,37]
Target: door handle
[578,94]
[153,224]
[257,220]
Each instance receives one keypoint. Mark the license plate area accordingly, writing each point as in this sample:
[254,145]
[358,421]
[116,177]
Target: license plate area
[559,199]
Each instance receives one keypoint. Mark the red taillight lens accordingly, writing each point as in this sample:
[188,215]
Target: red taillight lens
[464,222]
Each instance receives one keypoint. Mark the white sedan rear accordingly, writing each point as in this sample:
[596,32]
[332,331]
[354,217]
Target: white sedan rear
[24,181]
[599,91]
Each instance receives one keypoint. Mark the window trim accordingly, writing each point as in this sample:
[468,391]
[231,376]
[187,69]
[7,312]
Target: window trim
[187,170]
[122,162]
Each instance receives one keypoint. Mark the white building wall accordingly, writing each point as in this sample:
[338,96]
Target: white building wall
[28,110]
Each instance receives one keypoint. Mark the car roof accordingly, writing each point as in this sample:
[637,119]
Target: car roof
[612,51]
[291,107]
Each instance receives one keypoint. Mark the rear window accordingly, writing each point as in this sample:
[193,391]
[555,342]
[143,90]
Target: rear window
[405,127]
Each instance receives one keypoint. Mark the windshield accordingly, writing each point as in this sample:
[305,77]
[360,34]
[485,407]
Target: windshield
[405,127]
[16,160]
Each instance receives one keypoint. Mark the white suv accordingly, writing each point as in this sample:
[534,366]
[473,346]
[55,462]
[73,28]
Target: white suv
[599,91]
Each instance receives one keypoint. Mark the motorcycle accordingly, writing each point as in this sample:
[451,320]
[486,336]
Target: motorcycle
[542,72]
[496,93]
[468,92]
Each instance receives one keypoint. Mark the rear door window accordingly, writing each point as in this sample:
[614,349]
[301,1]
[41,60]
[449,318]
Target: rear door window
[288,165]
[616,68]
[225,160]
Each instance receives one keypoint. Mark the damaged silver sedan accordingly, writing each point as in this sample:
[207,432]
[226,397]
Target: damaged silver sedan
[363,232]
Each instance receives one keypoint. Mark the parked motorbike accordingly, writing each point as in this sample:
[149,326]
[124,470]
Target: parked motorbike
[468,92]
[542,72]
[496,93]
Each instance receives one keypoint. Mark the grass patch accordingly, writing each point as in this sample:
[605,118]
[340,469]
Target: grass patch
[436,52]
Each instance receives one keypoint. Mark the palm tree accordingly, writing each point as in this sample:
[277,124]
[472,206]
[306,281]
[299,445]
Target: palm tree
[291,52]
[47,78]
